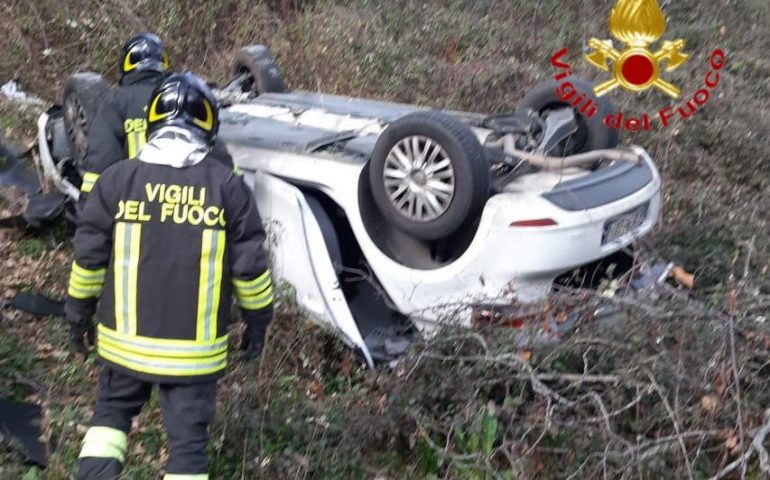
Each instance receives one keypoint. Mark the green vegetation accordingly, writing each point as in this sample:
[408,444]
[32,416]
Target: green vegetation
[31,247]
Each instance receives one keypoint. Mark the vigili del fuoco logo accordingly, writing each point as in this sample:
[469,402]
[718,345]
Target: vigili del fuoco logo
[636,67]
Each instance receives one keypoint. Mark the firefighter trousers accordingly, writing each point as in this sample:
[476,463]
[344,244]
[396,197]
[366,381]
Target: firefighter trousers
[187,409]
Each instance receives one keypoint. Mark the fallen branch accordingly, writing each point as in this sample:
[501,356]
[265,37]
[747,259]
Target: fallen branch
[756,445]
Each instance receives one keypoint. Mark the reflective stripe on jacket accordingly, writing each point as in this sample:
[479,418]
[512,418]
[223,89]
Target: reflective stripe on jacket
[165,249]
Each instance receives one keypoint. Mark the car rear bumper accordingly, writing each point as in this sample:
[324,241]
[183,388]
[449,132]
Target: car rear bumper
[506,262]
[577,235]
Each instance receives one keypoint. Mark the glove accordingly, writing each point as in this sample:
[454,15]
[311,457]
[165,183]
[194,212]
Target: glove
[256,328]
[253,342]
[82,338]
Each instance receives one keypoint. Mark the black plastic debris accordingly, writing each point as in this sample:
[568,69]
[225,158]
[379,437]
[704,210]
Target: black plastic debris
[389,343]
[16,221]
[36,304]
[13,172]
[44,207]
[20,425]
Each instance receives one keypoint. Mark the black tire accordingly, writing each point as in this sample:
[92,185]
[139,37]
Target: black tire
[592,134]
[468,161]
[264,74]
[83,93]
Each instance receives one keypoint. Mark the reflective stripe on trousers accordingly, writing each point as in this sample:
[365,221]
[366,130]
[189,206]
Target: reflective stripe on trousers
[105,442]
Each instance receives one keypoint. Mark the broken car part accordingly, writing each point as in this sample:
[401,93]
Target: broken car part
[36,304]
[20,424]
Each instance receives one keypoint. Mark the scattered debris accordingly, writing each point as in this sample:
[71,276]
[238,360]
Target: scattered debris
[13,92]
[20,425]
[683,277]
[45,207]
[36,304]
[14,173]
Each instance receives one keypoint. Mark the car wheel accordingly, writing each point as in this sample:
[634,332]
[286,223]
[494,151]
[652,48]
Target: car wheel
[429,175]
[83,93]
[259,70]
[591,134]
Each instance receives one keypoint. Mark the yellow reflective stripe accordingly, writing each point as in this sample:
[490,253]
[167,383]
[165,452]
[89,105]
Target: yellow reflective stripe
[256,301]
[83,293]
[90,177]
[161,355]
[140,141]
[255,296]
[160,365]
[77,282]
[135,142]
[257,304]
[119,255]
[254,284]
[87,274]
[133,276]
[127,250]
[186,476]
[85,283]
[214,362]
[256,293]
[209,283]
[160,347]
[131,145]
[89,180]
[105,442]
[252,292]
[162,341]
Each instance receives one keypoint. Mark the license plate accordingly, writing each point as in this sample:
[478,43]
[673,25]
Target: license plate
[624,223]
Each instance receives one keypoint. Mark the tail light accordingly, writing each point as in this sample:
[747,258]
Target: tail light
[483,316]
[536,222]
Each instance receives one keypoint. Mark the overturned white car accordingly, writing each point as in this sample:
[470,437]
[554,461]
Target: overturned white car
[383,217]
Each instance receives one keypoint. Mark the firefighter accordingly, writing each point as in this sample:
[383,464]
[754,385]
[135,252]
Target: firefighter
[162,243]
[118,129]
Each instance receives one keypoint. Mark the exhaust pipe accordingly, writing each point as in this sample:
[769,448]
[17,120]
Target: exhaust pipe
[557,163]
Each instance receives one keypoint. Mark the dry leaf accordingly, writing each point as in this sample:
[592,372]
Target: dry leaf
[720,383]
[346,364]
[709,403]
[382,403]
[683,277]
[733,444]
[315,388]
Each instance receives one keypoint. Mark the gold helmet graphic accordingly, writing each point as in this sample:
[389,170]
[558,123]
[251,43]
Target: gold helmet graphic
[637,23]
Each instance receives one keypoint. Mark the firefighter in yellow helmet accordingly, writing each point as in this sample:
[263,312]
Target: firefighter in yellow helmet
[118,130]
[162,243]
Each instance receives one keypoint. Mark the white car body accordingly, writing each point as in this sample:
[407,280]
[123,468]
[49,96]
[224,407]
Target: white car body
[503,263]
[281,141]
